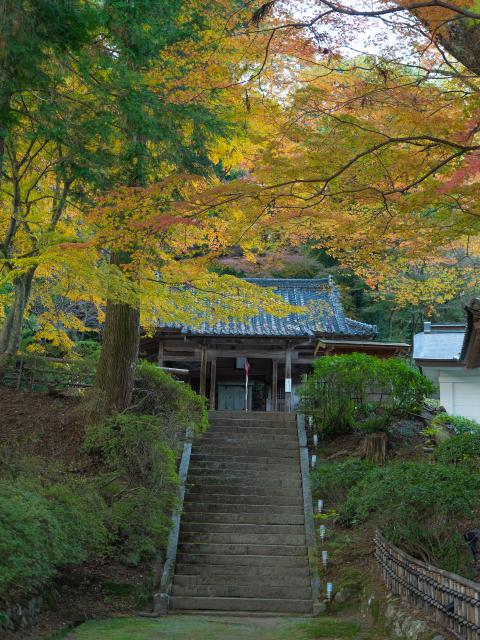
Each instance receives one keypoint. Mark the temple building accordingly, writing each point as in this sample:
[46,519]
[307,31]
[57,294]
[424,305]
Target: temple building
[258,364]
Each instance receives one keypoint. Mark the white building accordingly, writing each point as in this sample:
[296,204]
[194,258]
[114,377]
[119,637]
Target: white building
[449,354]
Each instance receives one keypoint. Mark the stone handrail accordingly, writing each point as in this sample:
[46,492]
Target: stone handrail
[308,511]
[452,599]
[161,599]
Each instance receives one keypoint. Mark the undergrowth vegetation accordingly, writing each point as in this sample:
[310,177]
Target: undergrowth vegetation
[53,517]
[458,424]
[420,507]
[48,520]
[423,508]
[426,503]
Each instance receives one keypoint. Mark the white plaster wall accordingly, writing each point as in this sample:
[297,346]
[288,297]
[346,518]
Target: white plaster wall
[460,392]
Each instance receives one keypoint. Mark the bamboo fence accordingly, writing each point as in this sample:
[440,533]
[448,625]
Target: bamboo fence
[453,600]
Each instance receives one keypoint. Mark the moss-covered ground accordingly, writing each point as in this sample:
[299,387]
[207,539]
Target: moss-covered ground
[185,627]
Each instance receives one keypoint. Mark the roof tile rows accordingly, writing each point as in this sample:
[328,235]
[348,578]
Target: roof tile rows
[324,315]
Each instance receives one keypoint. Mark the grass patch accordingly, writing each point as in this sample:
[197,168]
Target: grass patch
[203,628]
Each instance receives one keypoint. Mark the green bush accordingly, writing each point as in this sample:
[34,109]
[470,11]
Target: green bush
[158,393]
[358,390]
[332,480]
[46,524]
[461,449]
[139,482]
[459,424]
[420,507]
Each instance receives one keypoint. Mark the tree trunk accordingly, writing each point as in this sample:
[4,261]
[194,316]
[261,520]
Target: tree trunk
[118,358]
[11,332]
[374,447]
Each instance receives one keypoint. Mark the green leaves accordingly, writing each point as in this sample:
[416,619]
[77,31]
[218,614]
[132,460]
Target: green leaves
[362,391]
[420,507]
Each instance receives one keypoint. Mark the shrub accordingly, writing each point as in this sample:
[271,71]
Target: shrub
[157,393]
[464,448]
[417,505]
[360,390]
[332,480]
[459,424]
[45,525]
[139,483]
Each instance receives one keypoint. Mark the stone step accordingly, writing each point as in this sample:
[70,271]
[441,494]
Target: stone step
[208,508]
[240,450]
[209,577]
[211,548]
[243,466]
[247,529]
[252,478]
[242,538]
[271,501]
[253,590]
[248,440]
[239,561]
[251,431]
[232,489]
[272,605]
[210,572]
[253,415]
[243,457]
[285,517]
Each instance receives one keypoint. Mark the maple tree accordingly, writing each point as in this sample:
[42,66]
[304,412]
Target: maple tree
[149,92]
[376,155]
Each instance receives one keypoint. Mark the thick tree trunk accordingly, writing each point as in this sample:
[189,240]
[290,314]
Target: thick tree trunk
[118,360]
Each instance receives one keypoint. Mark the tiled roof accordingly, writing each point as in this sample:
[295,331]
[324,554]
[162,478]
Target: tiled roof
[324,315]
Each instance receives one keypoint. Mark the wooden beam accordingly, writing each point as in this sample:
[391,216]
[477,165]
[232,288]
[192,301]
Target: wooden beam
[160,355]
[288,380]
[274,384]
[203,372]
[213,383]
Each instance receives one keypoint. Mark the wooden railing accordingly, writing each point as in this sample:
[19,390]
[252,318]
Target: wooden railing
[38,373]
[453,600]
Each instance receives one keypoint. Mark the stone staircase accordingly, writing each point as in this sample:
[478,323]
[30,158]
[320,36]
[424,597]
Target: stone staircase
[242,541]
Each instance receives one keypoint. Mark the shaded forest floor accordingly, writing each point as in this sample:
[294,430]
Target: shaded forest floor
[52,427]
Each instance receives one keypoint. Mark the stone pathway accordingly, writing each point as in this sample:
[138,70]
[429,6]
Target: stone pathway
[189,627]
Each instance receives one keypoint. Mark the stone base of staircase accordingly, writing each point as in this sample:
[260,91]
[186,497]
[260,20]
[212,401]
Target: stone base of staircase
[242,545]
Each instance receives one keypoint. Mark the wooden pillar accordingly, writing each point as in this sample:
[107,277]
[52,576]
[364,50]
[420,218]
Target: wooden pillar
[213,383]
[288,380]
[274,384]
[203,372]
[160,354]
